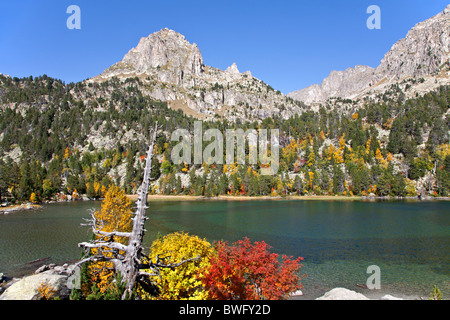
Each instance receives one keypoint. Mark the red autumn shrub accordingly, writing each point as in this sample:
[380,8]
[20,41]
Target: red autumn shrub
[246,271]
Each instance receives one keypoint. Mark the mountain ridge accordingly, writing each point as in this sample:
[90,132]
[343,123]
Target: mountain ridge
[423,52]
[173,71]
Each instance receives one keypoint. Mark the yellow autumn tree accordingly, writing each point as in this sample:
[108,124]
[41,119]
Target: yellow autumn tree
[107,164]
[289,153]
[231,168]
[339,154]
[280,187]
[186,168]
[350,155]
[97,188]
[338,157]
[443,150]
[115,215]
[368,146]
[183,282]
[103,190]
[75,194]
[311,159]
[156,150]
[345,187]
[303,144]
[311,179]
[310,139]
[411,187]
[329,152]
[33,198]
[66,153]
[322,135]
[342,142]
[379,157]
[389,157]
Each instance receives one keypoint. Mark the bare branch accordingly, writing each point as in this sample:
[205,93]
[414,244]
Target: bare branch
[97,258]
[114,234]
[93,222]
[174,265]
[146,274]
[159,264]
[109,245]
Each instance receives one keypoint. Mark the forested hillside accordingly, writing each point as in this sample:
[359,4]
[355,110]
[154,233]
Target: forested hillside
[60,141]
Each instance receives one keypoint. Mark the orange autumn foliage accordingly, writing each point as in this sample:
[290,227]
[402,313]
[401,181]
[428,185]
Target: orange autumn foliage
[246,271]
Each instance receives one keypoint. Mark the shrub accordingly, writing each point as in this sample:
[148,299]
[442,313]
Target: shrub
[246,271]
[181,283]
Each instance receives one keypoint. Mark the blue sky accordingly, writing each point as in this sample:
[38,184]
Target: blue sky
[287,44]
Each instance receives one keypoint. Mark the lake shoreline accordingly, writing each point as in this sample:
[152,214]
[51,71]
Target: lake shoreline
[21,207]
[158,197]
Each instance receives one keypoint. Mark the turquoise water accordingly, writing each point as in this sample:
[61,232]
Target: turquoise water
[338,240]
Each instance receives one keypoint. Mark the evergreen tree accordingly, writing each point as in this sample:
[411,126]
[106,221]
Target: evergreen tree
[398,185]
[253,185]
[178,186]
[156,169]
[384,184]
[324,180]
[443,177]
[417,169]
[3,180]
[338,180]
[298,185]
[222,185]
[26,182]
[130,172]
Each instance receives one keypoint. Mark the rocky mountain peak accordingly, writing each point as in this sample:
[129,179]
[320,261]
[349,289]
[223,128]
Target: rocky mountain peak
[424,51]
[233,69]
[165,54]
[447,9]
[172,70]
[337,84]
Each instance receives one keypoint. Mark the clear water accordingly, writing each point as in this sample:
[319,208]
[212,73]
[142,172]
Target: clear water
[409,241]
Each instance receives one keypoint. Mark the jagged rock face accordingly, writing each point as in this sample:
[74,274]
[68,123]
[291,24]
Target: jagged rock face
[310,94]
[172,70]
[166,55]
[337,84]
[424,51]
[233,69]
[343,83]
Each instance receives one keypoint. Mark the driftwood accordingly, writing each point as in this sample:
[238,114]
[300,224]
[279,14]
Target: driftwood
[129,260]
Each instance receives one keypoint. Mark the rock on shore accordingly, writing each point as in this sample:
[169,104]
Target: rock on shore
[54,277]
[27,288]
[342,294]
[25,206]
[345,294]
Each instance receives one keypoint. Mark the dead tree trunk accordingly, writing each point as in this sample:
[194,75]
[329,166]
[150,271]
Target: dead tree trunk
[128,259]
[130,264]
[126,264]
